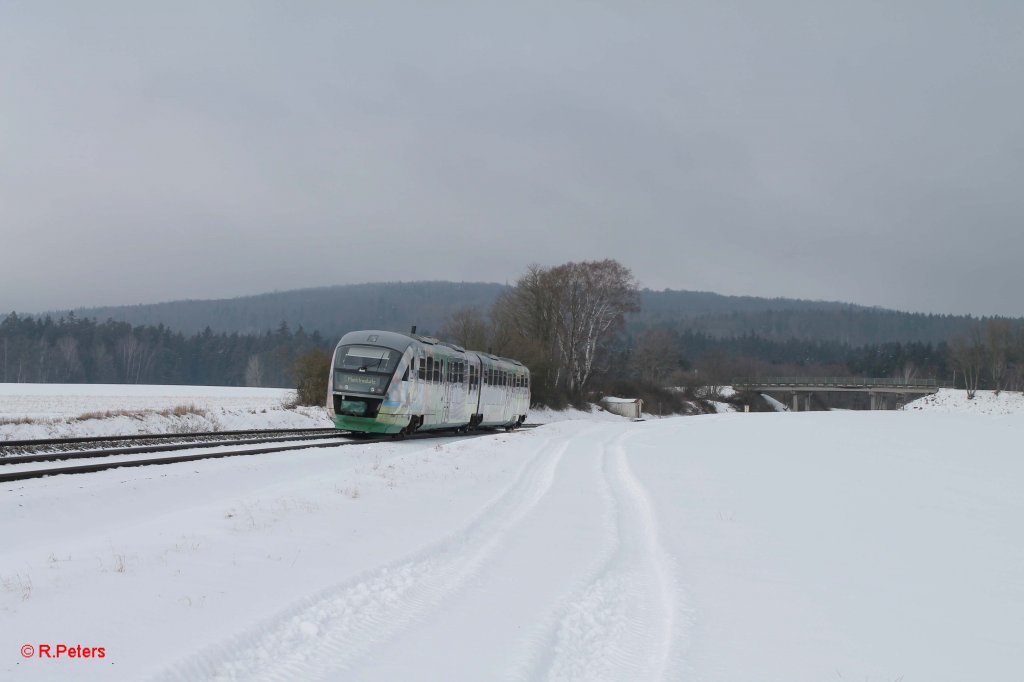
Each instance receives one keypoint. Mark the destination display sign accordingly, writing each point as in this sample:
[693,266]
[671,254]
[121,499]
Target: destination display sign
[360,382]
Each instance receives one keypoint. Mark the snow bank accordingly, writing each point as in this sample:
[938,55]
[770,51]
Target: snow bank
[984,402]
[775,404]
[545,415]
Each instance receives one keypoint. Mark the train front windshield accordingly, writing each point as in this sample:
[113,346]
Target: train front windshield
[364,369]
[367,359]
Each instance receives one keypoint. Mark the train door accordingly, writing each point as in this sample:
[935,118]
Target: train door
[475,366]
[446,389]
[509,390]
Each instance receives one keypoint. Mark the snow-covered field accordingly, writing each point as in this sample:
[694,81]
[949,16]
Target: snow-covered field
[65,410]
[797,546]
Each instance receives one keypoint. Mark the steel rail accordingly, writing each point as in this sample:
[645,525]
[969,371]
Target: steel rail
[89,468]
[150,436]
[144,449]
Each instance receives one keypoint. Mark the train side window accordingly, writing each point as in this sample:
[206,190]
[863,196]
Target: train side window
[421,368]
[437,370]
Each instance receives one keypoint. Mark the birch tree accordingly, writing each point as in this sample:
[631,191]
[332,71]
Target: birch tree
[968,356]
[999,341]
[568,313]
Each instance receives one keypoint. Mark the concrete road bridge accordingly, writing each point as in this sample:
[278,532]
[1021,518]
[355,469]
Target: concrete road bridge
[882,392]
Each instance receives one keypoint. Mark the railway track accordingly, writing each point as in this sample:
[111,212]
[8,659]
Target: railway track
[57,444]
[330,437]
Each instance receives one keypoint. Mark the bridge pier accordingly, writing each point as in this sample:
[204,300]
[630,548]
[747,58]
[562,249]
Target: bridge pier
[796,401]
[807,402]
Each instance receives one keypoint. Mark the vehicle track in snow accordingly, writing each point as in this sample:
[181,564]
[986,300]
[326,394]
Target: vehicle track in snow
[622,624]
[326,634]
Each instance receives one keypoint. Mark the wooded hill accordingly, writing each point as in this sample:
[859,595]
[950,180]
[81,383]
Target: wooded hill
[396,305]
[675,336]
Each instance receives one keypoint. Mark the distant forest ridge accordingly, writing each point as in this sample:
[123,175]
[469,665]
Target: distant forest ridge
[334,310]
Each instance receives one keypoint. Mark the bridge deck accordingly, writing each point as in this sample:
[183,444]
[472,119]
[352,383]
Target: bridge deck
[861,384]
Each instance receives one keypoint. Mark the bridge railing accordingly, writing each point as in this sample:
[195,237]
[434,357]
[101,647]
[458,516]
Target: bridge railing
[844,382]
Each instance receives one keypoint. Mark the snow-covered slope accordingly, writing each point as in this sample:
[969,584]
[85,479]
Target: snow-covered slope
[811,546]
[984,402]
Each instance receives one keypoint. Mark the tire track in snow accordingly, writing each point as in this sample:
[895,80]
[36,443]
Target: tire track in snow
[330,632]
[621,625]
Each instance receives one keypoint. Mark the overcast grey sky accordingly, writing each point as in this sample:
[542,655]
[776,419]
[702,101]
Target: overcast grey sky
[870,152]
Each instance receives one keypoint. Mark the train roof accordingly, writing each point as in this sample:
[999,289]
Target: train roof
[377,337]
[401,342]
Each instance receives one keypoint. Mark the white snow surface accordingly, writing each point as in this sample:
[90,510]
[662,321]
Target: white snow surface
[54,410]
[984,402]
[775,404]
[804,546]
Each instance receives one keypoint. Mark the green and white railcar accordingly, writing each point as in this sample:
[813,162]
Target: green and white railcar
[384,382]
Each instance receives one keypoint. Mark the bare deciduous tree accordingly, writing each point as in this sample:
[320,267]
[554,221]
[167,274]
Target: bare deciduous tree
[656,354]
[568,314]
[254,371]
[968,356]
[67,349]
[468,328]
[999,339]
